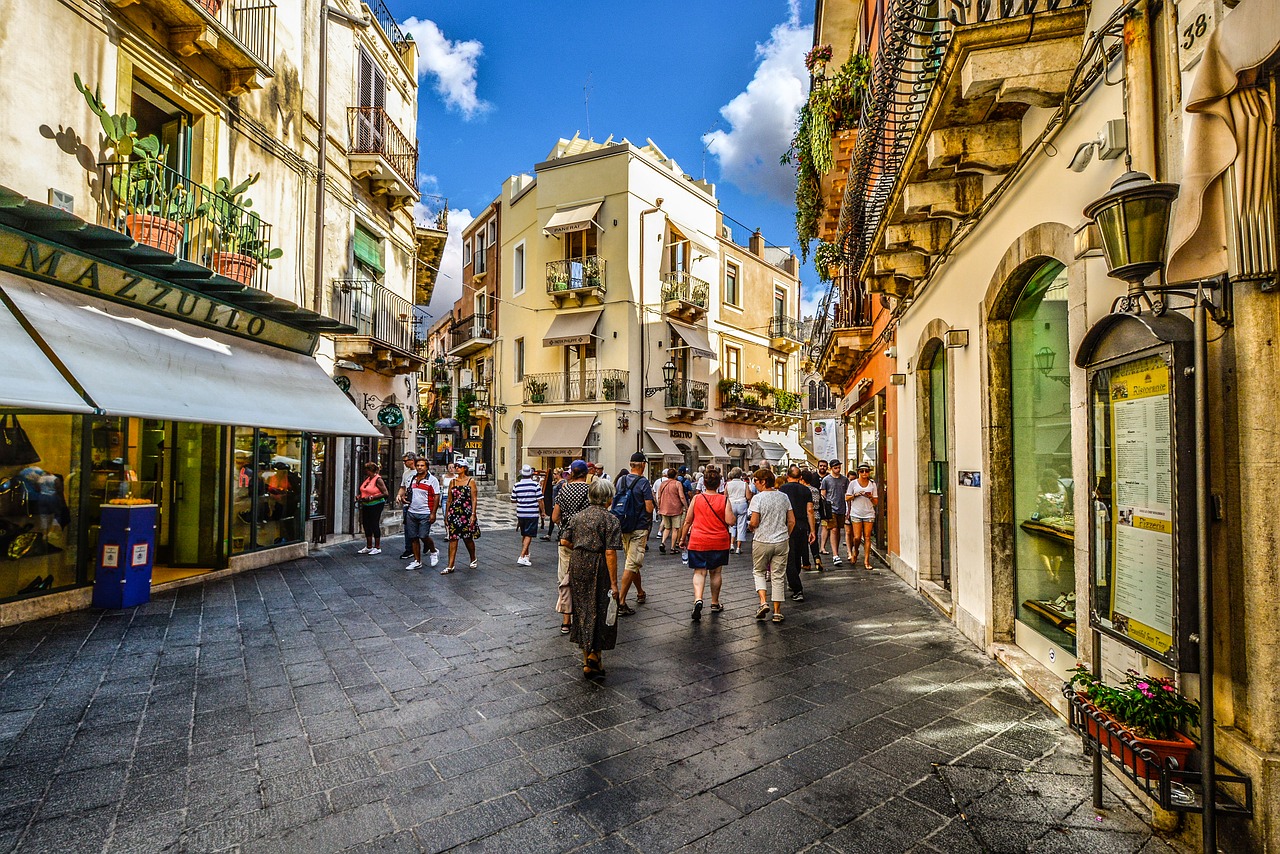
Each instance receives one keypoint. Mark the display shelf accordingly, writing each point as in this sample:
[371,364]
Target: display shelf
[1040,529]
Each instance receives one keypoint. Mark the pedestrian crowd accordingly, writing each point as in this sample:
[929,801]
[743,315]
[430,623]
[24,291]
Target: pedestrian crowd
[791,519]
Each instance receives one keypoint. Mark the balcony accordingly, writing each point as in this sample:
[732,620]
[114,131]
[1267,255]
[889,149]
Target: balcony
[758,403]
[846,334]
[387,23]
[470,334]
[785,333]
[381,153]
[174,217]
[575,280]
[685,297]
[238,36]
[383,341]
[599,387]
[685,399]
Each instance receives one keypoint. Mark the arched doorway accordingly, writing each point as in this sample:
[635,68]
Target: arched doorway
[935,442]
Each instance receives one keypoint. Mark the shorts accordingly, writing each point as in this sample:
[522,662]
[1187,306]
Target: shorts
[870,518]
[672,523]
[416,527]
[528,527]
[836,521]
[708,560]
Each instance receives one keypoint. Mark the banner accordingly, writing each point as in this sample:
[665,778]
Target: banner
[822,434]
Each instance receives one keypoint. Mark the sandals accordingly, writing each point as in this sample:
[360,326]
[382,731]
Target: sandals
[564,628]
[762,613]
[641,598]
[697,611]
[446,570]
[625,610]
[591,666]
[716,607]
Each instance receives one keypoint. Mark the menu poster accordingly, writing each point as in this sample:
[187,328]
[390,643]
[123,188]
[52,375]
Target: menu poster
[1142,500]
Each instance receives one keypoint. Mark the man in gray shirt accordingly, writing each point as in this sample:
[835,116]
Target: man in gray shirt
[833,488]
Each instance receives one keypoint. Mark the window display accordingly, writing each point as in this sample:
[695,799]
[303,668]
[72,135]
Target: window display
[1044,581]
[267,500]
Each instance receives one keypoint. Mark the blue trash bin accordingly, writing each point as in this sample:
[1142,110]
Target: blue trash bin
[126,552]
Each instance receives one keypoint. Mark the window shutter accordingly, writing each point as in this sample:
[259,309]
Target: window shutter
[368,250]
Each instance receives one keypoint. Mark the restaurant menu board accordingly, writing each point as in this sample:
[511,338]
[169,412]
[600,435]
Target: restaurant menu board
[1142,588]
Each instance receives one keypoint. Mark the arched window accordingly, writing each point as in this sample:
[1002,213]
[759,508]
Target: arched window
[813,395]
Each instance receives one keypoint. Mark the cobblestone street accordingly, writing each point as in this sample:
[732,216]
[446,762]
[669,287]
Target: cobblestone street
[341,703]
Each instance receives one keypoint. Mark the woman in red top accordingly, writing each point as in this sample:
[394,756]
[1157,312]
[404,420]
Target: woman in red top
[705,533]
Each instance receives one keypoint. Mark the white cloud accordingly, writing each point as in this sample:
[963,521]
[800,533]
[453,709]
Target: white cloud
[811,295]
[449,280]
[451,63]
[762,118]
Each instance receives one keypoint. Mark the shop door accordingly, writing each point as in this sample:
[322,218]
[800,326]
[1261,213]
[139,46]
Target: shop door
[193,535]
[869,449]
[939,467]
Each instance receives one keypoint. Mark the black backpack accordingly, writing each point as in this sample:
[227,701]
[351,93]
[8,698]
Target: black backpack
[629,508]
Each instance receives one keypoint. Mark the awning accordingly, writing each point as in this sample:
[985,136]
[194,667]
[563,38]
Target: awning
[795,451]
[704,244]
[694,338]
[575,328]
[770,451]
[560,435]
[578,218]
[734,442]
[713,446]
[28,380]
[1226,123]
[662,441]
[138,365]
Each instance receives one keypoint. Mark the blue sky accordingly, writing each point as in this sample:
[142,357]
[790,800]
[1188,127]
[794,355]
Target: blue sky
[714,83]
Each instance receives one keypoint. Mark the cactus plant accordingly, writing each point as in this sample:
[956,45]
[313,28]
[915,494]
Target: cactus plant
[238,229]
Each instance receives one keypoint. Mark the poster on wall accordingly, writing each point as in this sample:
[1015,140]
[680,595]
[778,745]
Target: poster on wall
[823,433]
[444,444]
[1141,586]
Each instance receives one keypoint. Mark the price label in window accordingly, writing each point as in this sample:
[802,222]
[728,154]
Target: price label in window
[1196,23]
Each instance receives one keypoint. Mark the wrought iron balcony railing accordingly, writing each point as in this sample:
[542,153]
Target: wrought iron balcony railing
[476,327]
[577,274]
[373,132]
[163,209]
[387,22]
[601,386]
[679,285]
[785,327]
[252,23]
[687,394]
[375,312]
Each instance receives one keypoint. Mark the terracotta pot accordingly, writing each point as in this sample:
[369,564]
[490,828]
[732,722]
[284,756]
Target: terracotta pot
[163,234]
[235,266]
[1179,748]
[212,6]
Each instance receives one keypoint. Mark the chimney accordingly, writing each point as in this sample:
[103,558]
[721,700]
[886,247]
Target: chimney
[757,244]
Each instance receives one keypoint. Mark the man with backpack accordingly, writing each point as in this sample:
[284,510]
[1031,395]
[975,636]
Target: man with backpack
[633,505]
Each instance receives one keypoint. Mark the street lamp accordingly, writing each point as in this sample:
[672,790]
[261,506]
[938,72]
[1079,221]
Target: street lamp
[1133,222]
[481,393]
[668,379]
[1045,358]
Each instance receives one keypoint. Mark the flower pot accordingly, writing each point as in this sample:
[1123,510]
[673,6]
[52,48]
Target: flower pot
[235,266]
[537,398]
[1178,748]
[163,234]
[213,7]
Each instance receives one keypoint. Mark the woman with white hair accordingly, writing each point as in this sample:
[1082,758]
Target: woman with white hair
[593,536]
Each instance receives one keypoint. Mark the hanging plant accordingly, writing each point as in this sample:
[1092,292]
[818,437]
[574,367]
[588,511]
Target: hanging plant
[826,258]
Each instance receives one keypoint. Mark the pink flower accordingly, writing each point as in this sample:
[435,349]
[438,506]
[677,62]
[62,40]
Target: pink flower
[1168,688]
[1144,685]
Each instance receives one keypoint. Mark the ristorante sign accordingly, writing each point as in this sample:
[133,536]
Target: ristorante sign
[59,265]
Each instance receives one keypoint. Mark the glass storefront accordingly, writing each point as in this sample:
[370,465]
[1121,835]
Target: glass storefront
[266,497]
[866,427]
[1044,580]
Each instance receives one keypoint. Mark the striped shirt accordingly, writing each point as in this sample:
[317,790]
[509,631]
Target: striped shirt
[525,494]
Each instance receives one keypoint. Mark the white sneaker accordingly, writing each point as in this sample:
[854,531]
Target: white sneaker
[433,557]
[835,560]
[375,551]
[475,564]
[364,551]
[524,561]
[413,564]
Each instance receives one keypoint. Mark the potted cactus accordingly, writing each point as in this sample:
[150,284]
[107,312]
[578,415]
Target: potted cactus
[239,248]
[537,391]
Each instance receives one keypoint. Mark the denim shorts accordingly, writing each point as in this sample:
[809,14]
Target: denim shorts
[709,559]
[416,527]
[528,527]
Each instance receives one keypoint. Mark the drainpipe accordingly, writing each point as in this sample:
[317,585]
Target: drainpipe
[644,330]
[1140,77]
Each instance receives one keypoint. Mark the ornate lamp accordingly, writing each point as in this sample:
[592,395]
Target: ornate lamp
[1044,360]
[482,396]
[1133,222]
[668,380]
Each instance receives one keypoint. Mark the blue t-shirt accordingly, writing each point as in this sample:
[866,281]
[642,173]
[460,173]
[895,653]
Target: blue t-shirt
[643,490]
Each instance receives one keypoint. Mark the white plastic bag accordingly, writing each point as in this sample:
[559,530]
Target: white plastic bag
[611,613]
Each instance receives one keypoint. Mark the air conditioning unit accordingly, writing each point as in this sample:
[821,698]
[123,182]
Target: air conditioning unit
[726,232]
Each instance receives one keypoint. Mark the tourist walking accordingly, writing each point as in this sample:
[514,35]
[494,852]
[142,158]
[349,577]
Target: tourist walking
[671,506]
[706,535]
[803,533]
[738,492]
[550,486]
[460,519]
[421,497]
[813,560]
[772,521]
[633,505]
[592,537]
[570,500]
[863,499]
[527,496]
[410,469]
[833,488]
[372,496]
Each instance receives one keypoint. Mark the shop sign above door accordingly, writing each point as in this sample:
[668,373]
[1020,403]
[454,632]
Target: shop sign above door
[58,265]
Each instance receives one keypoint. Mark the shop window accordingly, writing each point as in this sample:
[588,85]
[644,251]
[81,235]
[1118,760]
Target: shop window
[267,501]
[1044,580]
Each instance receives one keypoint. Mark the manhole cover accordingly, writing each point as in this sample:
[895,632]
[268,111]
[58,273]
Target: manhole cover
[452,626]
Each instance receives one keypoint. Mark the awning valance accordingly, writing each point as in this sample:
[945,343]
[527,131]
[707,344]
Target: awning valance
[695,339]
[578,218]
[795,451]
[712,443]
[134,364]
[661,440]
[28,380]
[704,244]
[577,328]
[560,435]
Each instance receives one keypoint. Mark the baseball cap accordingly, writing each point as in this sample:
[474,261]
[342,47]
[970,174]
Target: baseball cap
[639,457]
[526,470]
[578,467]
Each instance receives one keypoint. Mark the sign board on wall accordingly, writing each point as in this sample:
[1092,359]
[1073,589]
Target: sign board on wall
[822,432]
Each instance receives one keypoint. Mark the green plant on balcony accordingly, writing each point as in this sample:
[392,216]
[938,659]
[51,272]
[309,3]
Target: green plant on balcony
[762,387]
[537,390]
[827,259]
[698,397]
[466,401]
[749,401]
[730,392]
[239,246]
[612,388]
[785,401]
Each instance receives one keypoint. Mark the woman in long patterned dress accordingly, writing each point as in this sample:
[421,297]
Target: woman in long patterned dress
[460,520]
[594,537]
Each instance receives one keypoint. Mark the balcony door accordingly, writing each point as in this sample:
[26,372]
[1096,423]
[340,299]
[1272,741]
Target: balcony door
[371,98]
[579,246]
[580,372]
[171,124]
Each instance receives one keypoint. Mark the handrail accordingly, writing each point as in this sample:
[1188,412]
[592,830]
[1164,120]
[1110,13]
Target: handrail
[387,22]
[373,132]
[608,386]
[470,328]
[680,285]
[574,274]
[687,394]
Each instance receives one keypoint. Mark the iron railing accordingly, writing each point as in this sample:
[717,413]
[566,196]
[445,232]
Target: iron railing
[565,387]
[785,327]
[387,22]
[687,394]
[375,312]
[679,285]
[575,274]
[162,208]
[471,328]
[373,132]
[252,23]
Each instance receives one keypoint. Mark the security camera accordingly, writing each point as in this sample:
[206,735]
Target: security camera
[891,353]
[1084,154]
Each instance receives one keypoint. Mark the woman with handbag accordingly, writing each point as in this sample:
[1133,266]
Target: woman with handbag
[460,519]
[706,534]
[372,497]
[593,537]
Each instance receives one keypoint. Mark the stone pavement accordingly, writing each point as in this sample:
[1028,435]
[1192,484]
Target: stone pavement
[340,703]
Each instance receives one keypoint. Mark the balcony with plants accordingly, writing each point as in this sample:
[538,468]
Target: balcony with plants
[384,155]
[609,386]
[237,36]
[575,280]
[471,334]
[685,398]
[384,338]
[685,296]
[758,403]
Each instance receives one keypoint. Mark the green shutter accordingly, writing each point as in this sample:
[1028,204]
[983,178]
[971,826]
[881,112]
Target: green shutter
[368,250]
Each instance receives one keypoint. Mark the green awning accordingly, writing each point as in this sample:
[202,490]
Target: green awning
[368,250]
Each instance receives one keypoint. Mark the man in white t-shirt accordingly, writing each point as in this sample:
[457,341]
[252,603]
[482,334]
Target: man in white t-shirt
[421,497]
[405,477]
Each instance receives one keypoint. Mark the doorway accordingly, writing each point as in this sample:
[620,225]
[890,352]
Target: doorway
[868,431]
[937,520]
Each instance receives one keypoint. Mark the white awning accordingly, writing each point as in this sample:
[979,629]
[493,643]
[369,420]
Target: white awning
[694,338]
[28,380]
[578,218]
[705,244]
[772,452]
[713,446]
[577,328]
[795,451]
[560,435]
[138,365]
[662,441]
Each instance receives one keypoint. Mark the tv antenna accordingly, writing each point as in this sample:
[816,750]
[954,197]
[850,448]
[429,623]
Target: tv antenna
[586,102]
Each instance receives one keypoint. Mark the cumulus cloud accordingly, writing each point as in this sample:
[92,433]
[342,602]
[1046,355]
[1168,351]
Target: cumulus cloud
[762,117]
[452,64]
[449,280]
